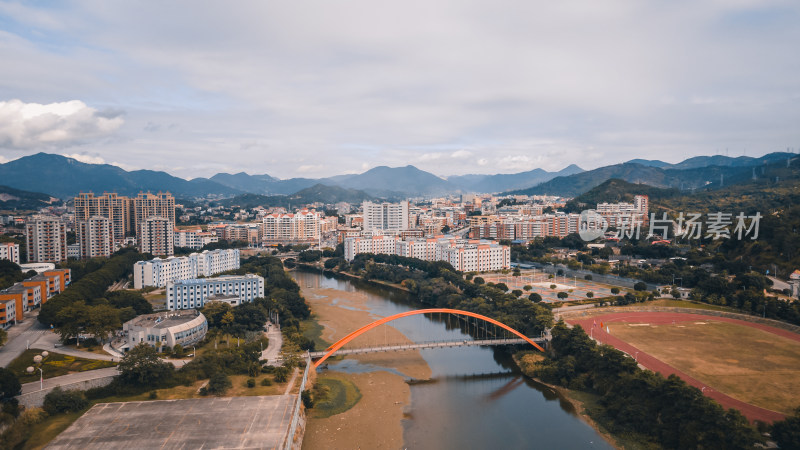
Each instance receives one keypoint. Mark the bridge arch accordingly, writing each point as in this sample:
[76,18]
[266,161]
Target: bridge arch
[341,342]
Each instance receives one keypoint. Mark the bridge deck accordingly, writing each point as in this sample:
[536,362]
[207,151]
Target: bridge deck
[424,345]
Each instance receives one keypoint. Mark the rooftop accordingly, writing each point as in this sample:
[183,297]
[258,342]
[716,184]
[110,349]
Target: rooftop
[165,319]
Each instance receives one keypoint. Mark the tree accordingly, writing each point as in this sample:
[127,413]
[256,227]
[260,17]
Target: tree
[446,229]
[590,294]
[562,295]
[615,290]
[9,385]
[787,432]
[59,401]
[502,286]
[141,365]
[73,319]
[527,287]
[3,336]
[675,293]
[640,286]
[478,280]
[219,383]
[214,311]
[102,321]
[516,292]
[536,298]
[587,277]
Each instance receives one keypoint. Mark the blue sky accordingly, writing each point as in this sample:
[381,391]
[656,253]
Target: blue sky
[320,88]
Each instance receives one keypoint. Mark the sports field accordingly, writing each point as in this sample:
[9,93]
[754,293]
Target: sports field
[743,365]
[540,283]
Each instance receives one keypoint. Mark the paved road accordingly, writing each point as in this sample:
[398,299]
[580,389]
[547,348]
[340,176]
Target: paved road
[69,379]
[19,336]
[273,352]
[752,412]
[51,343]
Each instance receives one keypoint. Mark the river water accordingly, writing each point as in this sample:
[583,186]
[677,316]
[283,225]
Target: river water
[477,399]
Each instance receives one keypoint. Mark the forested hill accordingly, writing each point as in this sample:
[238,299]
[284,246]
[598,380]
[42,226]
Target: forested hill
[17,199]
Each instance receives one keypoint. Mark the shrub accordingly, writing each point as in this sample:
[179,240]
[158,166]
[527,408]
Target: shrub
[266,382]
[588,277]
[308,399]
[153,395]
[281,374]
[59,401]
[219,383]
[251,383]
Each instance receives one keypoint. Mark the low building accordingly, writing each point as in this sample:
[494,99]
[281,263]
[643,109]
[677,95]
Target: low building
[189,294]
[8,312]
[165,329]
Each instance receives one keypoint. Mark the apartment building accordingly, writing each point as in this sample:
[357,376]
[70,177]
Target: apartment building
[116,208]
[158,272]
[194,238]
[147,205]
[47,239]
[385,216]
[157,236]
[463,255]
[9,251]
[8,311]
[190,294]
[95,237]
[300,227]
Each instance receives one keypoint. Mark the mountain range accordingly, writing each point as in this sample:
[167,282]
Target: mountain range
[65,177]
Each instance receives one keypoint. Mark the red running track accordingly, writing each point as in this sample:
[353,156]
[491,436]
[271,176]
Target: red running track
[752,412]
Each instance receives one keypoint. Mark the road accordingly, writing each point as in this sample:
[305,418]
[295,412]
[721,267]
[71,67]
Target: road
[69,379]
[273,352]
[19,336]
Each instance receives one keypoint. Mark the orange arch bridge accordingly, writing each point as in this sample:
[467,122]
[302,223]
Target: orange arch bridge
[341,342]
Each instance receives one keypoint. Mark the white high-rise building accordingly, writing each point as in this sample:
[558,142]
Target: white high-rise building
[47,239]
[9,251]
[189,294]
[385,216]
[95,237]
[157,236]
[158,272]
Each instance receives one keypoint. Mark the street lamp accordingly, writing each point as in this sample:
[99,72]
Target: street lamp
[41,375]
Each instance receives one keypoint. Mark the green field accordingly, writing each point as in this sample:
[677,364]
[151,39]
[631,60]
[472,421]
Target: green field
[334,394]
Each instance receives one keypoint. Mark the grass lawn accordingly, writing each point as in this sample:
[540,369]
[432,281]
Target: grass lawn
[44,432]
[312,330]
[55,365]
[746,363]
[334,394]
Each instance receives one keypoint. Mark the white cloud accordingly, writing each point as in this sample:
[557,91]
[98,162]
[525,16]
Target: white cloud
[35,126]
[310,168]
[461,154]
[84,158]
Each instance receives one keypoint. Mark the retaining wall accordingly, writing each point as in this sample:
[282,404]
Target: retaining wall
[36,399]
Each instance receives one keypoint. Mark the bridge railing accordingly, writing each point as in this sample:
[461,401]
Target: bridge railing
[297,407]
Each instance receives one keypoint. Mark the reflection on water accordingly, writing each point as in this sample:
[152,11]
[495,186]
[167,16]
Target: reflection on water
[476,397]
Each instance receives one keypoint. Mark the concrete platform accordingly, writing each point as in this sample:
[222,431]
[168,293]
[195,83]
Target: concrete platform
[207,423]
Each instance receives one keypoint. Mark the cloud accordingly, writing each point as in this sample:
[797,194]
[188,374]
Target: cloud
[34,125]
[461,154]
[84,158]
[310,168]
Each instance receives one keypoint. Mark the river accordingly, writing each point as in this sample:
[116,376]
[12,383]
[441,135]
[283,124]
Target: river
[476,397]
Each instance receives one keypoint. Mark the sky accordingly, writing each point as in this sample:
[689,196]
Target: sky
[319,88]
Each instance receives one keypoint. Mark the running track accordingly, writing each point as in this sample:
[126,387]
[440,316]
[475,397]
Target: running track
[752,412]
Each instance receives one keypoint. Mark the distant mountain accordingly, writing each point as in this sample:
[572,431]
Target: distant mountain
[505,182]
[256,184]
[683,179]
[382,180]
[65,177]
[317,193]
[328,194]
[16,199]
[716,160]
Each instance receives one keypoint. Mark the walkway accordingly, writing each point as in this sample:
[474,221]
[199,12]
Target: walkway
[20,336]
[752,412]
[273,351]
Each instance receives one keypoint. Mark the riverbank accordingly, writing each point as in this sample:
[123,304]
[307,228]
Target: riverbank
[376,420]
[578,400]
